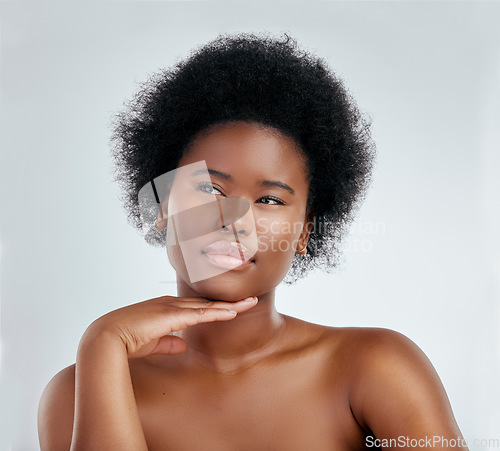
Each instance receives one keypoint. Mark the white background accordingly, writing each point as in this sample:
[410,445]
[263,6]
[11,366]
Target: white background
[424,256]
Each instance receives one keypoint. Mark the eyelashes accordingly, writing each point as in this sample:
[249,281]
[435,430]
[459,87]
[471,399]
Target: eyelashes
[209,188]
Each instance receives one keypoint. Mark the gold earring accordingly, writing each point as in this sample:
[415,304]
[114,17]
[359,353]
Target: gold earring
[156,226]
[303,251]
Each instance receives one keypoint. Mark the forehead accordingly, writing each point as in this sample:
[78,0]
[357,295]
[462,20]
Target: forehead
[249,150]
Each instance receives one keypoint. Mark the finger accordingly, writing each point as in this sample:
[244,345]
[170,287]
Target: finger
[239,306]
[186,317]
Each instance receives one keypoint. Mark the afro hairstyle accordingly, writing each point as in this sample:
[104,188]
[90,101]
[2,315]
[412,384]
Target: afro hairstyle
[256,79]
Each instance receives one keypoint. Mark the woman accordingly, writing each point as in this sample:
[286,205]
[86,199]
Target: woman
[217,367]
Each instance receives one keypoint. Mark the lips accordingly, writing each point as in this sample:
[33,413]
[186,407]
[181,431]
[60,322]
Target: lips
[229,248]
[228,254]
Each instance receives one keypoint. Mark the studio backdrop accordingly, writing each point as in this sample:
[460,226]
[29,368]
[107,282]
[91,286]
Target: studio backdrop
[423,255]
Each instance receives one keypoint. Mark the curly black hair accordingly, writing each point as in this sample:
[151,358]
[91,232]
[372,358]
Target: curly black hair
[256,79]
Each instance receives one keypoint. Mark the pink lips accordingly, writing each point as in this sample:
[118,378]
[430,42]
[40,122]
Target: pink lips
[228,254]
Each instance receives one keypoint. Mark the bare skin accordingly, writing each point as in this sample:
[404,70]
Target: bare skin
[251,378]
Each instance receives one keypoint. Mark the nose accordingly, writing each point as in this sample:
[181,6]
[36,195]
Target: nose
[241,222]
[233,228]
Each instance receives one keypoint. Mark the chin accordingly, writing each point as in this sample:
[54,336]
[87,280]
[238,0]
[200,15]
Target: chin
[225,287]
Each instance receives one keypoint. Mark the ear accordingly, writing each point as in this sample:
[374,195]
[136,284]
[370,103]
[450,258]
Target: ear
[161,223]
[306,232]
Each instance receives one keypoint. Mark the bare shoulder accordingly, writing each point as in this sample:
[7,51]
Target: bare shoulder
[56,411]
[365,346]
[385,354]
[394,388]
[376,357]
[367,342]
[375,345]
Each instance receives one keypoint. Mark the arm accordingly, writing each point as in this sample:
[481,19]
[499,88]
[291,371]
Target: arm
[104,415]
[55,412]
[397,394]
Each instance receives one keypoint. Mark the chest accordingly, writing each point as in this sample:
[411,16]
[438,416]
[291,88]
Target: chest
[286,407]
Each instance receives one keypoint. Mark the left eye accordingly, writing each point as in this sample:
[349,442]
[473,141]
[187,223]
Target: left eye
[272,199]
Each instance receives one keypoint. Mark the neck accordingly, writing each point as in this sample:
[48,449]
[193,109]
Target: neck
[229,346]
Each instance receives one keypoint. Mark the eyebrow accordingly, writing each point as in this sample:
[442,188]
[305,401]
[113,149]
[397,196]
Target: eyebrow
[225,176]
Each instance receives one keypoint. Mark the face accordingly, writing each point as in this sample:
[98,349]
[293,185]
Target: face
[254,168]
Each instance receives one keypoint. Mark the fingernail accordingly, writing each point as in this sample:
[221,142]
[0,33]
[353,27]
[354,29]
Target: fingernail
[252,299]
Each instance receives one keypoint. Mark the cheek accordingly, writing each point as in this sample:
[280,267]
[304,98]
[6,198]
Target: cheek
[177,261]
[278,236]
[277,241]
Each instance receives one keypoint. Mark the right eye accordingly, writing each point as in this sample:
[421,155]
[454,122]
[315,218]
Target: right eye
[208,188]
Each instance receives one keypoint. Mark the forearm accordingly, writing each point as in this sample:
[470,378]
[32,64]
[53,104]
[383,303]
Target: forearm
[106,415]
